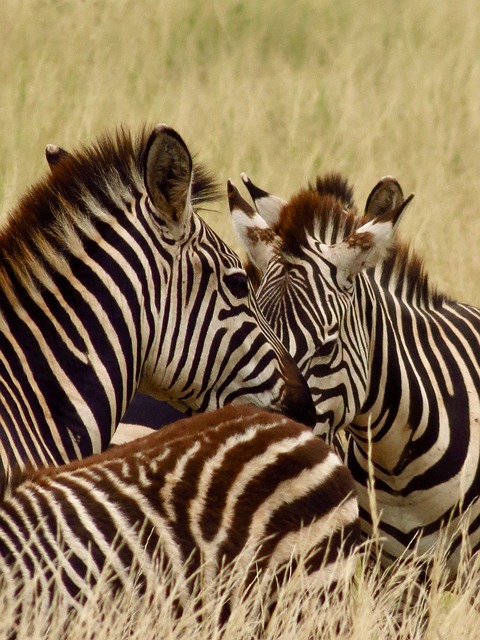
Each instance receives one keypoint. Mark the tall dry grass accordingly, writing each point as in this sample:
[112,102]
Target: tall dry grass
[375,606]
[282,91]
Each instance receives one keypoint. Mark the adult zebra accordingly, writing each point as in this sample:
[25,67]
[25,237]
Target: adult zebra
[236,486]
[109,282]
[380,349]
[144,413]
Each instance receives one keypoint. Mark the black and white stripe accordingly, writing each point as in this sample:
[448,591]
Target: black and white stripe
[383,352]
[238,485]
[109,282]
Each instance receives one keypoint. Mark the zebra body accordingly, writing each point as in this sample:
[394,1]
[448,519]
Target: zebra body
[387,357]
[236,485]
[109,283]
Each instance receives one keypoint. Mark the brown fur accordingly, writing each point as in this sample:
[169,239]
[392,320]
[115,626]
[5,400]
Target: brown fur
[361,240]
[333,184]
[211,429]
[148,464]
[309,213]
[237,202]
[256,235]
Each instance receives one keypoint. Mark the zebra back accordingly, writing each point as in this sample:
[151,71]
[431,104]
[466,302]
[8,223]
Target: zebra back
[237,485]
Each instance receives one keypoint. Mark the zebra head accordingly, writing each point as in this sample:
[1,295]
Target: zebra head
[305,258]
[203,342]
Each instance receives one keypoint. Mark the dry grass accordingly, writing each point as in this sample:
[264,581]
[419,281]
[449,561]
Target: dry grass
[373,607]
[279,90]
[282,91]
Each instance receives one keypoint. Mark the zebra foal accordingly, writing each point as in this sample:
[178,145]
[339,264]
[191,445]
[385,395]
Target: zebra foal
[110,282]
[236,485]
[384,354]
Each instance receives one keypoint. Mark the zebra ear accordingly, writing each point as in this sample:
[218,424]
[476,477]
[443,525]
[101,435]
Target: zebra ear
[386,195]
[168,177]
[366,246]
[54,155]
[267,205]
[252,230]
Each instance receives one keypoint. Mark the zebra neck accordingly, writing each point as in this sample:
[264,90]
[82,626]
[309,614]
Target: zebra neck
[69,363]
[423,401]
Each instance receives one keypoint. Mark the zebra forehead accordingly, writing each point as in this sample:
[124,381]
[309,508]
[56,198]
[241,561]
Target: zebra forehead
[325,216]
[326,212]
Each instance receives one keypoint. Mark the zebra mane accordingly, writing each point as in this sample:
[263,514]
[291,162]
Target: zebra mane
[327,212]
[99,176]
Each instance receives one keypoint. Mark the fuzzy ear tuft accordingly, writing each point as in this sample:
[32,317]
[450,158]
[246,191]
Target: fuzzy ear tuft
[385,196]
[366,246]
[55,155]
[266,204]
[168,176]
[254,233]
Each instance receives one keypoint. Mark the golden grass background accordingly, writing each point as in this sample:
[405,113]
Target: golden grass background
[280,90]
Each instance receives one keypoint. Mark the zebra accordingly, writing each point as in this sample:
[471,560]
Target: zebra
[388,358]
[144,413]
[109,283]
[237,486]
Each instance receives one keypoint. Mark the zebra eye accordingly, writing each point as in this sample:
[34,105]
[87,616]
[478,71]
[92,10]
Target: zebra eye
[237,284]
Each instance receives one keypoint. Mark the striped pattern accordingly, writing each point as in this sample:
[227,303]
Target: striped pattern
[109,283]
[144,415]
[235,485]
[381,350]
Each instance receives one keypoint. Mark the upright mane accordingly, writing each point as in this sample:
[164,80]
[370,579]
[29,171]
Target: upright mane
[326,212]
[71,198]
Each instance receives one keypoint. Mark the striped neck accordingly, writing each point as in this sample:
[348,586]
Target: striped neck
[413,361]
[70,351]
[72,303]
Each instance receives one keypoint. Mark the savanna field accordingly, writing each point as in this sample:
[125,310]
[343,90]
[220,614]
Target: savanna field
[283,91]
